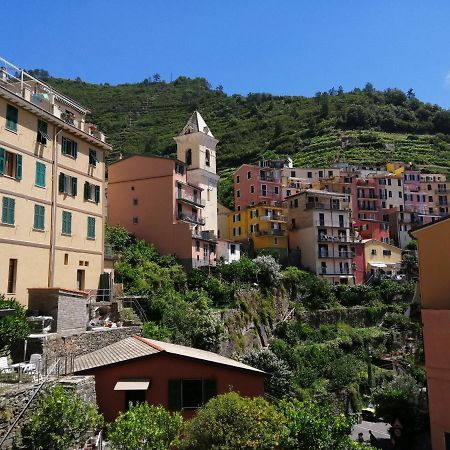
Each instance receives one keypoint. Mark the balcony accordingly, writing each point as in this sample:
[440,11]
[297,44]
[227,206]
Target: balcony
[328,224]
[269,178]
[326,238]
[191,218]
[191,199]
[339,254]
[204,235]
[339,272]
[273,218]
[336,207]
[442,191]
[271,233]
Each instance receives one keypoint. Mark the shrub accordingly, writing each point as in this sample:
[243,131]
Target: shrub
[269,271]
[231,422]
[12,328]
[61,420]
[145,427]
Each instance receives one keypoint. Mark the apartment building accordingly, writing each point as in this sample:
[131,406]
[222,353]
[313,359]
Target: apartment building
[258,228]
[171,203]
[52,175]
[319,230]
[434,283]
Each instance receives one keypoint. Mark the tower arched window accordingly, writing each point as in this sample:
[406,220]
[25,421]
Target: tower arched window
[208,158]
[189,157]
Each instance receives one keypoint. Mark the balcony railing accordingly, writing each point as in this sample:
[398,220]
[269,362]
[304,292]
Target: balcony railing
[316,205]
[442,191]
[274,217]
[328,224]
[338,272]
[339,254]
[191,199]
[271,233]
[326,238]
[191,218]
[205,235]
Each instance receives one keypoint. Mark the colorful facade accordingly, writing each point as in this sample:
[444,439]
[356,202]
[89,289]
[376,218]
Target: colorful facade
[434,283]
[52,179]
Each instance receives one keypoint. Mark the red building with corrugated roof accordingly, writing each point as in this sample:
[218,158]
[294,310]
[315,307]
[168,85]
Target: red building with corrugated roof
[177,377]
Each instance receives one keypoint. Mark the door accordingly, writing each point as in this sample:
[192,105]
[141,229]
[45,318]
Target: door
[80,279]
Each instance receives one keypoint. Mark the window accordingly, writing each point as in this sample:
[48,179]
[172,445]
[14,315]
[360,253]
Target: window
[10,164]
[42,132]
[135,201]
[389,182]
[179,168]
[67,185]
[134,398]
[389,194]
[66,259]
[189,157]
[69,147]
[207,158]
[399,194]
[135,220]
[39,217]
[91,227]
[92,157]
[197,246]
[288,193]
[399,182]
[237,179]
[232,249]
[40,174]
[330,173]
[320,174]
[252,189]
[374,251]
[276,190]
[92,192]
[8,209]
[293,173]
[66,223]
[387,253]
[238,194]
[12,114]
[249,175]
[190,394]
[12,276]
[447,440]
[309,175]
[275,241]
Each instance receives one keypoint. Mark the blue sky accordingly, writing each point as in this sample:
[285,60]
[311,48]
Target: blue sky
[282,47]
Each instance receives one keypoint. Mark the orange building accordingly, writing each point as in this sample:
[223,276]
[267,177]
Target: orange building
[434,262]
[170,203]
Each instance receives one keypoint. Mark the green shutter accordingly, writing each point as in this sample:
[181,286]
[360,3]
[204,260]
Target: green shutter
[12,114]
[2,161]
[18,167]
[62,182]
[67,223]
[97,194]
[174,391]
[8,209]
[91,227]
[86,190]
[40,174]
[64,145]
[74,149]
[92,157]
[39,217]
[74,186]
[209,389]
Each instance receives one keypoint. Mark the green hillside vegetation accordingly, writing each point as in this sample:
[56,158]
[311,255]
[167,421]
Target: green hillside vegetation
[377,126]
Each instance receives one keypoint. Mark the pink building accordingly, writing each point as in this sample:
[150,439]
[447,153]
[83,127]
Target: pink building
[255,184]
[151,197]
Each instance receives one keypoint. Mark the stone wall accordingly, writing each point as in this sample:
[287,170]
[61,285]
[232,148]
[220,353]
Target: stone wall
[15,397]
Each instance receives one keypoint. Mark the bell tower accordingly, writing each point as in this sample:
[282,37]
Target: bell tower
[196,146]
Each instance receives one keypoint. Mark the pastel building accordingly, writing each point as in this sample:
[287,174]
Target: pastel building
[319,231]
[259,228]
[168,202]
[52,179]
[434,283]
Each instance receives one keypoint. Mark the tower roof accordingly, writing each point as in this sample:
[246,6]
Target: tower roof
[196,124]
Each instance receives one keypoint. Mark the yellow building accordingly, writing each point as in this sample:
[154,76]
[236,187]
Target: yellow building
[381,258]
[259,228]
[222,221]
[52,175]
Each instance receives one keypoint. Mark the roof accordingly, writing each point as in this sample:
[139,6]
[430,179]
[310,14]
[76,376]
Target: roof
[427,225]
[385,244]
[150,156]
[137,347]
[196,124]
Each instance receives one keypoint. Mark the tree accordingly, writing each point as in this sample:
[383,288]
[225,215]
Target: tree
[231,422]
[269,271]
[315,427]
[41,74]
[279,384]
[13,328]
[219,88]
[145,427]
[61,420]
[410,94]
[156,78]
[441,122]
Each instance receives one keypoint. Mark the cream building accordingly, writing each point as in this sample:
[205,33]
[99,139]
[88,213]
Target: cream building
[52,177]
[196,146]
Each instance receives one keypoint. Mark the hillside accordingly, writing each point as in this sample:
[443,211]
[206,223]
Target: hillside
[381,126]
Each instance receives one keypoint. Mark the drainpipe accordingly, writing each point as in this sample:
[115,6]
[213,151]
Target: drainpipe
[51,263]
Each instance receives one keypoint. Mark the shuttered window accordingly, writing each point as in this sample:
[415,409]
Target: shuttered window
[66,223]
[69,147]
[67,185]
[91,227]
[42,132]
[190,394]
[12,114]
[8,210]
[39,217]
[91,192]
[40,174]
[92,157]
[10,164]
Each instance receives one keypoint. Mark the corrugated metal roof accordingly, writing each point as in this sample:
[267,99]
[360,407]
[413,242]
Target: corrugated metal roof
[138,347]
[129,348]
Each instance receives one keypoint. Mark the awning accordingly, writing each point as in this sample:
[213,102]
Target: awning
[132,385]
[377,264]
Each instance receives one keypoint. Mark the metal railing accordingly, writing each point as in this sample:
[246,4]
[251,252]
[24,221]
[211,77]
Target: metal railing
[192,199]
[274,217]
[271,233]
[191,218]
